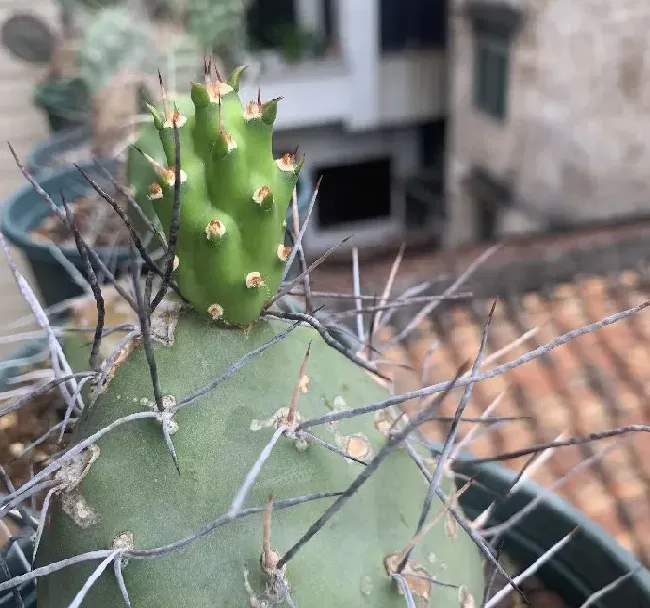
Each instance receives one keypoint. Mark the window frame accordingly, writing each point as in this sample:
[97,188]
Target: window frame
[491,49]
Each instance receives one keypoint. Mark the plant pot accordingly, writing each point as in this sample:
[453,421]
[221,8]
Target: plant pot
[591,560]
[25,209]
[54,153]
[14,561]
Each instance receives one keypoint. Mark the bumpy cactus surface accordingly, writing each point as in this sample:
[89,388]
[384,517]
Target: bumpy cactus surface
[231,243]
[178,520]
[133,487]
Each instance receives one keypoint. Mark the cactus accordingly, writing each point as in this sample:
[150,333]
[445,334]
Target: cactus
[216,442]
[231,248]
[221,456]
[125,492]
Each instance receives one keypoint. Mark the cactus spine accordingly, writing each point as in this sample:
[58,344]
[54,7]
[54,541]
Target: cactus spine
[173,527]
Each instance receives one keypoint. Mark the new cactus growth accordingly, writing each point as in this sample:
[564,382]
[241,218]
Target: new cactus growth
[231,237]
[327,516]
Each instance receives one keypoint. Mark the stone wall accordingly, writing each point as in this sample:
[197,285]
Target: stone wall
[576,139]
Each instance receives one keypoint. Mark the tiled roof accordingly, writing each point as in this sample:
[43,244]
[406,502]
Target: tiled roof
[596,382]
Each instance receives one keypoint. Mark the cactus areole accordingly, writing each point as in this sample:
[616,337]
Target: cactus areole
[222,526]
[231,250]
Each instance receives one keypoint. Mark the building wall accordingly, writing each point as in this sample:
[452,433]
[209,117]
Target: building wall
[576,139]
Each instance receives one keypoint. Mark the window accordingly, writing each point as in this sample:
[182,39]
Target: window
[412,24]
[355,192]
[491,62]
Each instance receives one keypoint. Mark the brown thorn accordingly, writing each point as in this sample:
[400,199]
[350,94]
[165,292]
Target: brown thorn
[164,94]
[462,369]
[432,522]
[294,153]
[296,389]
[207,68]
[267,556]
[259,96]
[396,421]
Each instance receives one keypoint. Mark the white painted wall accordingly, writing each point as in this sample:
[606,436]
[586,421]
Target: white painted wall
[359,33]
[408,87]
[413,87]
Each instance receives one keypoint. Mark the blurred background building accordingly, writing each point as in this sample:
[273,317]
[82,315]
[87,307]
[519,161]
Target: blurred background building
[439,123]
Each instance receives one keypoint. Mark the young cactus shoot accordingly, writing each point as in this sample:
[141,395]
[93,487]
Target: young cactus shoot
[231,235]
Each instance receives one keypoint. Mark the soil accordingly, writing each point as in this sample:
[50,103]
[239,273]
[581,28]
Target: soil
[27,425]
[96,220]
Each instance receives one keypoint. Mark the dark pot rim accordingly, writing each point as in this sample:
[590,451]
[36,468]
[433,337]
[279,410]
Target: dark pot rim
[24,206]
[591,560]
[16,568]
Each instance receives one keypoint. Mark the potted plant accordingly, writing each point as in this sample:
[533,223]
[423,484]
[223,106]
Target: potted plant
[587,564]
[48,246]
[98,41]
[110,51]
[230,435]
[583,567]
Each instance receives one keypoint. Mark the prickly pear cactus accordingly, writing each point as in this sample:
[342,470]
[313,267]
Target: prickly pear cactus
[208,490]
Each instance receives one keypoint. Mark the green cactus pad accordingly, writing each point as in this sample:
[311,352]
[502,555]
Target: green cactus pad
[133,486]
[234,194]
